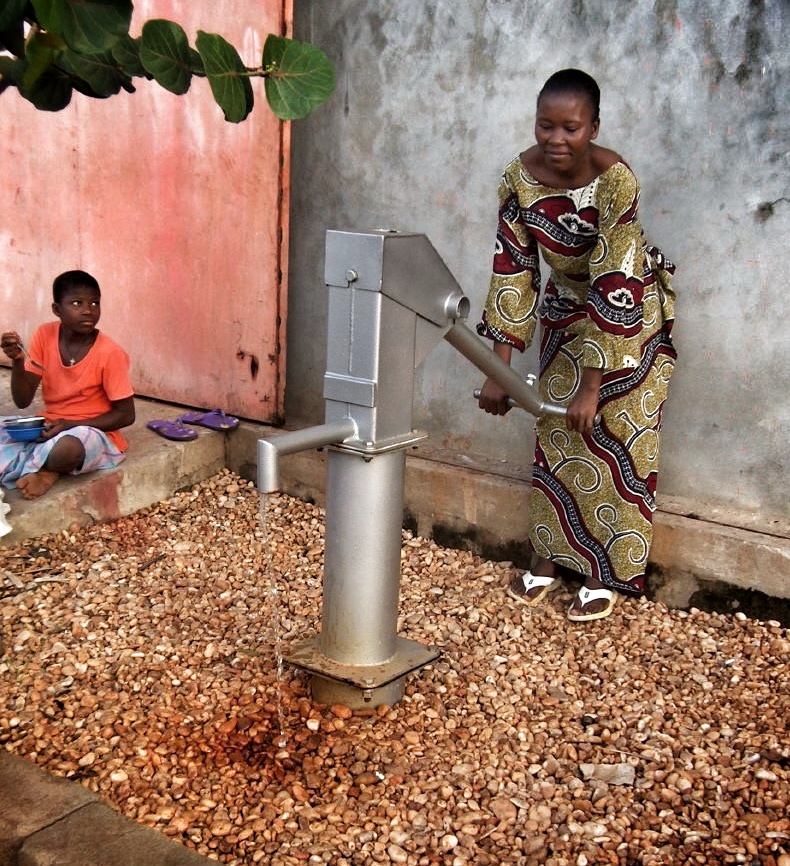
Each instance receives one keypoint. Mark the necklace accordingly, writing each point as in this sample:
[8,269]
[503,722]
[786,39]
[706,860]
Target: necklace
[71,357]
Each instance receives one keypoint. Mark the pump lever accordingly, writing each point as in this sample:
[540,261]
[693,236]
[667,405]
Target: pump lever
[510,401]
[530,379]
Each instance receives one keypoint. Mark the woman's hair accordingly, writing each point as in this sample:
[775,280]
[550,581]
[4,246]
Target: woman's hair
[574,81]
[73,280]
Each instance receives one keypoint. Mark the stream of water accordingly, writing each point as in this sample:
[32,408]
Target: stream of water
[275,624]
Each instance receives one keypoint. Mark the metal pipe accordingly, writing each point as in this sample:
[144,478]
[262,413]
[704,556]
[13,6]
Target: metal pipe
[364,515]
[476,351]
[359,659]
[269,450]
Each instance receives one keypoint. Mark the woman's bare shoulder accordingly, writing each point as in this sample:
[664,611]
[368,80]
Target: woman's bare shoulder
[604,158]
[530,158]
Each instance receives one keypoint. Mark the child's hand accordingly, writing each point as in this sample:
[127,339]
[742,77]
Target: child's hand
[11,344]
[52,428]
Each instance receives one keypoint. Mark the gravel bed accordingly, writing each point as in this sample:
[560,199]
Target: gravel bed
[140,659]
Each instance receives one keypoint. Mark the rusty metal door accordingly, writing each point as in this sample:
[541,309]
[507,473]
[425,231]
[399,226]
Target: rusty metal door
[181,216]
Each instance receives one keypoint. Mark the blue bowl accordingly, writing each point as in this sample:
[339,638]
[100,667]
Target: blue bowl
[25,434]
[25,429]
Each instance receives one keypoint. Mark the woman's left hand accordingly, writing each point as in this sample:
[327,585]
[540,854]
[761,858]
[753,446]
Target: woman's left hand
[581,413]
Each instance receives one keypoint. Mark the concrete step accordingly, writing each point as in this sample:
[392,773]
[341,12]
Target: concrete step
[726,560]
[46,820]
[154,469]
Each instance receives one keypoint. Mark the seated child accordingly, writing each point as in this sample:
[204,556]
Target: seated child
[87,392]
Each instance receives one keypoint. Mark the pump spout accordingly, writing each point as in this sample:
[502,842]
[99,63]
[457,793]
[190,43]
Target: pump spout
[475,350]
[269,450]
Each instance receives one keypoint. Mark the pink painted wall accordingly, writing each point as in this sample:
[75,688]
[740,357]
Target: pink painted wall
[181,216]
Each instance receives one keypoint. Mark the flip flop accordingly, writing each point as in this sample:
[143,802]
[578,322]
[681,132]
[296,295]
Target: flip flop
[523,583]
[585,596]
[216,419]
[172,430]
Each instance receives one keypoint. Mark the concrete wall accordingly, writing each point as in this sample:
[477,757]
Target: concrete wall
[434,98]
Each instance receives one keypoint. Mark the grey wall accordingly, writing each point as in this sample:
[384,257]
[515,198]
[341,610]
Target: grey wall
[432,101]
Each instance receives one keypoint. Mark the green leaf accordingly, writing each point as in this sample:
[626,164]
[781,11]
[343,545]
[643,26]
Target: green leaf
[51,92]
[301,77]
[196,63]
[11,13]
[126,53]
[227,76]
[41,50]
[89,26]
[13,39]
[165,54]
[11,70]
[99,71]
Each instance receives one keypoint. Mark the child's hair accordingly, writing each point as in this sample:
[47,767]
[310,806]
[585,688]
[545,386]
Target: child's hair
[574,81]
[73,280]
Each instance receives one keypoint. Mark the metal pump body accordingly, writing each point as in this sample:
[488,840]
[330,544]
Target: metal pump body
[391,300]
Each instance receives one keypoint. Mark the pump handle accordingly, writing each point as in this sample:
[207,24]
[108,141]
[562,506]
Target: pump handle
[557,410]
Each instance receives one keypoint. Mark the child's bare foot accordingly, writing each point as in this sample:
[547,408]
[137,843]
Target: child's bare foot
[37,483]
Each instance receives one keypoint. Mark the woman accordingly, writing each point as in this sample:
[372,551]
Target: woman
[606,316]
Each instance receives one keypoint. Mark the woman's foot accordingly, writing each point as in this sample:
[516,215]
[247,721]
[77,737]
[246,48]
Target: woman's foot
[37,483]
[533,585]
[593,601]
[531,589]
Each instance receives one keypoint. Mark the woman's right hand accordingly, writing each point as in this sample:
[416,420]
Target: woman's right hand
[11,344]
[493,398]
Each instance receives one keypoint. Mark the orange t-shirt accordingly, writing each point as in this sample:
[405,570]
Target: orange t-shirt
[86,389]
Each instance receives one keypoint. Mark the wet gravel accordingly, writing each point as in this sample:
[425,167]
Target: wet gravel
[139,659]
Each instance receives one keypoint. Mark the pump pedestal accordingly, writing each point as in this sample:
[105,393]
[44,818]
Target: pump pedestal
[391,300]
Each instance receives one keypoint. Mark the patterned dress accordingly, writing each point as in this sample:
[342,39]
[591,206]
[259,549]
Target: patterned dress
[608,304]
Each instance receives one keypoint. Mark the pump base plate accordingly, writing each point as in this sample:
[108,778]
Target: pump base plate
[409,656]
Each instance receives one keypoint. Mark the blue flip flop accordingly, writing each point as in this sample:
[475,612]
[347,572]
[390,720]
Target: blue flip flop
[216,419]
[174,430]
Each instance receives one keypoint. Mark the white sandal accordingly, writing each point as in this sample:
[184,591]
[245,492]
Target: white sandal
[523,583]
[585,596]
